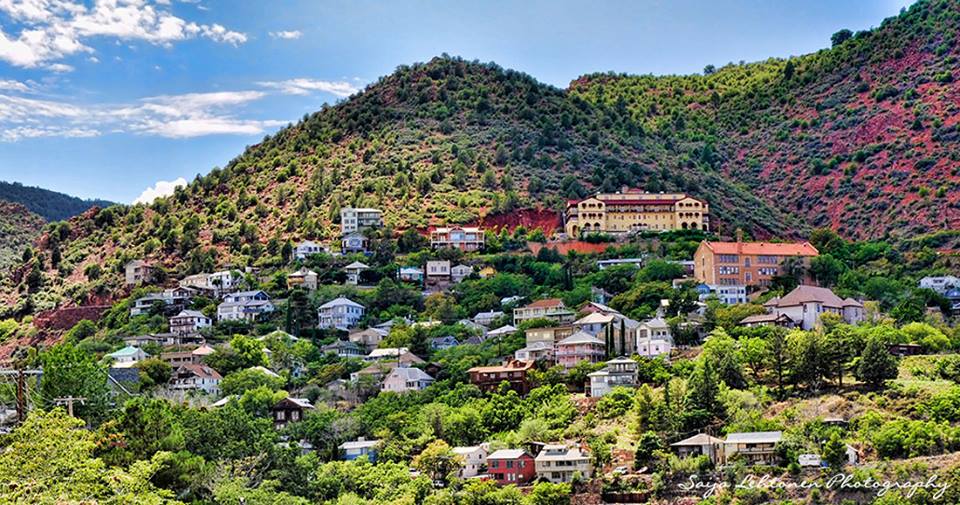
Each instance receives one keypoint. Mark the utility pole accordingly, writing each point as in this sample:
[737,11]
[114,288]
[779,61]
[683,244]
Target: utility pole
[21,396]
[68,400]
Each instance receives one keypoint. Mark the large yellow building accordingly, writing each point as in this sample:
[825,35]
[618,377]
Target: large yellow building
[635,210]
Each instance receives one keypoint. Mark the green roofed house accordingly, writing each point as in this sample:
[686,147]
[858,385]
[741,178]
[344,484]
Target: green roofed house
[127,357]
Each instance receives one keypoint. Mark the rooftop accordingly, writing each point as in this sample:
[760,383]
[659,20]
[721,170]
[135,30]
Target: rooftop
[755,437]
[763,248]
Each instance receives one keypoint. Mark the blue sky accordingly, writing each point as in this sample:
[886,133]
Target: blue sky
[104,98]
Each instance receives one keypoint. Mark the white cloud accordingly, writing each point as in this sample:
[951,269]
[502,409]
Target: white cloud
[287,34]
[172,116]
[11,85]
[161,188]
[54,29]
[60,68]
[304,86]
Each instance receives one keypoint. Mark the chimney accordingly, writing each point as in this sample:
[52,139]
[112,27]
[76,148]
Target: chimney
[739,240]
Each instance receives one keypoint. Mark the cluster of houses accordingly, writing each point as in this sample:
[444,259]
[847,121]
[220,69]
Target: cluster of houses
[753,448]
[555,463]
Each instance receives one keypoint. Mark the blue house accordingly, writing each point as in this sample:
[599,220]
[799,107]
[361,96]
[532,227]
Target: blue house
[350,451]
[443,342]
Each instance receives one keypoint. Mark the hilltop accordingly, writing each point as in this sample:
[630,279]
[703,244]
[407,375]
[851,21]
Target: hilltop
[860,137]
[50,205]
[18,229]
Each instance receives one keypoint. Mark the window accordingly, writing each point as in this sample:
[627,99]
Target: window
[728,270]
[728,258]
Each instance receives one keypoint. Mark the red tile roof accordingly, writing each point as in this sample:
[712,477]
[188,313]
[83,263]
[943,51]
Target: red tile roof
[763,248]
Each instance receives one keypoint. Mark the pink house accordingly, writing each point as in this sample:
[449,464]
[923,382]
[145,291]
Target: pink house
[581,346]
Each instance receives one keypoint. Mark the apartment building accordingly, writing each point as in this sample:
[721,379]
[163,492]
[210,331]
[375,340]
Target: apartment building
[633,210]
[465,238]
[550,308]
[354,219]
[747,263]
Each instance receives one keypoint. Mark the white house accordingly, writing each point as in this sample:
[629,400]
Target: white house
[502,331]
[941,284]
[755,447]
[188,322]
[127,357]
[225,281]
[245,306]
[340,313]
[306,249]
[460,272]
[353,271]
[437,270]
[137,272]
[805,304]
[618,372]
[353,242]
[402,379]
[196,377]
[656,328]
[474,460]
[410,274]
[485,318]
[559,463]
[535,351]
[653,347]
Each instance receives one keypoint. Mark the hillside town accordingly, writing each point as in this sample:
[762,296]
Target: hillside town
[662,331]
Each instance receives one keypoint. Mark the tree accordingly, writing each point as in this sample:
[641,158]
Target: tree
[438,461]
[835,452]
[840,37]
[548,493]
[49,459]
[876,364]
[722,352]
[647,445]
[245,380]
[779,356]
[754,351]
[68,371]
[154,372]
[702,391]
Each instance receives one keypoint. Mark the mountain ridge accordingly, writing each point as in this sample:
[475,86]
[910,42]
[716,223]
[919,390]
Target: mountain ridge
[452,141]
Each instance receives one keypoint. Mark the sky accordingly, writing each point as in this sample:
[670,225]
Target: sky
[123,99]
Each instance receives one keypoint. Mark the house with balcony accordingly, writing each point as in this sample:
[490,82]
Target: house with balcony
[196,377]
[941,283]
[559,463]
[344,349]
[303,278]
[341,313]
[700,444]
[189,322]
[466,239]
[437,272]
[369,338]
[580,346]
[550,308]
[536,352]
[249,306]
[549,335]
[138,272]
[224,281]
[634,210]
[353,271]
[756,448]
[515,373]
[619,372]
[354,219]
[511,466]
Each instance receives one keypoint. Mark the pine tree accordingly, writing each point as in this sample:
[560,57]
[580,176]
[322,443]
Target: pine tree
[876,365]
[835,452]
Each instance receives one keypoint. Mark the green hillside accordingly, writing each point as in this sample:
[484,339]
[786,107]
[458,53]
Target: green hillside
[50,205]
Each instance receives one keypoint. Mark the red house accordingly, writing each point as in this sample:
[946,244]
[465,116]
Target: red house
[511,466]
